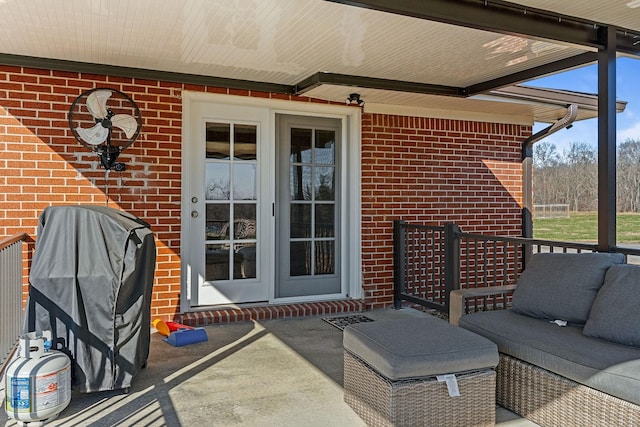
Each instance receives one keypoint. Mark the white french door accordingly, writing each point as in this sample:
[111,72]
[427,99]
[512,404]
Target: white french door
[271,201]
[230,204]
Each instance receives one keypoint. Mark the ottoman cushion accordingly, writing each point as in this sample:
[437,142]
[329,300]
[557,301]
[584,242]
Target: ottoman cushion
[419,347]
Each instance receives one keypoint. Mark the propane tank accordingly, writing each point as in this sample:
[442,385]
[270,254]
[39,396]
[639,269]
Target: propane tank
[38,381]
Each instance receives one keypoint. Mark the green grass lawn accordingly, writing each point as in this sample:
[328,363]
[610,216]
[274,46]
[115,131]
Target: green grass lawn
[583,227]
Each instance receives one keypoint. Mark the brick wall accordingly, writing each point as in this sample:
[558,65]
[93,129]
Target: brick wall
[434,171]
[422,170]
[44,165]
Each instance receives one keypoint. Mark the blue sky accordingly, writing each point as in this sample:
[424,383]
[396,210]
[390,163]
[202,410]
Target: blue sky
[586,80]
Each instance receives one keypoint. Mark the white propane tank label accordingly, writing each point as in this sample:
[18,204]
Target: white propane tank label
[18,395]
[52,389]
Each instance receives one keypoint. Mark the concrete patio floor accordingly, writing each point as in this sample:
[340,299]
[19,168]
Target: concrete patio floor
[274,373]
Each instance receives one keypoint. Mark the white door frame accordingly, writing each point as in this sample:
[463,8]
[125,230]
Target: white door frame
[351,177]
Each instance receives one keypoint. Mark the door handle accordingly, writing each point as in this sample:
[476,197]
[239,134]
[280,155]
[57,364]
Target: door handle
[194,214]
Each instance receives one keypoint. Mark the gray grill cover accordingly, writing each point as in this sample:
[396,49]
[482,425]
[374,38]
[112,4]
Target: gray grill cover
[91,283]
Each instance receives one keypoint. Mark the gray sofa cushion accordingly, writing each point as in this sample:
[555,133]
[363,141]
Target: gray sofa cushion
[615,314]
[419,347]
[611,368]
[562,286]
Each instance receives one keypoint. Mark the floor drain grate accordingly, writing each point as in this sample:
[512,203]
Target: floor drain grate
[342,321]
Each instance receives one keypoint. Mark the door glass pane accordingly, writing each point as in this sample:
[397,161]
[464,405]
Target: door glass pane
[244,145]
[325,251]
[325,147]
[237,264]
[300,221]
[245,255]
[218,140]
[300,258]
[244,181]
[244,222]
[217,182]
[217,221]
[325,221]
[301,145]
[300,183]
[325,183]
[217,262]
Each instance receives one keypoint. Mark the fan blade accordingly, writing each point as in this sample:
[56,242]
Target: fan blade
[125,122]
[97,103]
[95,135]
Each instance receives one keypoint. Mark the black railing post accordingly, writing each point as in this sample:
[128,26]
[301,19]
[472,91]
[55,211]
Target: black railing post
[527,251]
[399,257]
[451,260]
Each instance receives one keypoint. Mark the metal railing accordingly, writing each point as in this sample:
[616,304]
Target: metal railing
[419,265]
[11,273]
[431,261]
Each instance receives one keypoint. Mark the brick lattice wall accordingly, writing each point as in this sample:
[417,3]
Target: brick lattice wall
[420,170]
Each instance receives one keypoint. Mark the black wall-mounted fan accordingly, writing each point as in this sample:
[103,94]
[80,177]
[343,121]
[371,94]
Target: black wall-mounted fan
[105,121]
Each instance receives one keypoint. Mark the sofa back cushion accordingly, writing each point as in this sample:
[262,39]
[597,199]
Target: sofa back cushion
[615,315]
[562,286]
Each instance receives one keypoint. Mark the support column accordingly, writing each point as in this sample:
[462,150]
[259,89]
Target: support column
[399,259]
[451,260]
[607,142]
[527,191]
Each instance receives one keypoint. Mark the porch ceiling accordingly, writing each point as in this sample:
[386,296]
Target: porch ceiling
[285,42]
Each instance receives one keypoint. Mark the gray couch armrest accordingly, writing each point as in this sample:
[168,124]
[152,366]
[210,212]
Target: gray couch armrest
[458,298]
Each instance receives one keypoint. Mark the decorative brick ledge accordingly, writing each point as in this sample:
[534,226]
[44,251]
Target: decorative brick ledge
[269,312]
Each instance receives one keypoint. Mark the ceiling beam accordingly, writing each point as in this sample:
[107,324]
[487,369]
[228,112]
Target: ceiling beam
[492,15]
[321,78]
[628,42]
[532,73]
[507,18]
[141,73]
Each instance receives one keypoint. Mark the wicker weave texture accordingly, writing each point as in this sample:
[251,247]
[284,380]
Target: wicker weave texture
[551,400]
[421,402]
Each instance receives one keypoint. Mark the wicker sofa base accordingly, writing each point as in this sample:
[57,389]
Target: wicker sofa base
[551,400]
[420,402]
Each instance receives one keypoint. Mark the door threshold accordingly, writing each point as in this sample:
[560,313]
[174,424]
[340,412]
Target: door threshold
[228,314]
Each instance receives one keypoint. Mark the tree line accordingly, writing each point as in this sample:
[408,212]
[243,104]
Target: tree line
[571,176]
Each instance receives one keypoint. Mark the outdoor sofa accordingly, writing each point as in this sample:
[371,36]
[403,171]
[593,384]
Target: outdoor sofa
[569,344]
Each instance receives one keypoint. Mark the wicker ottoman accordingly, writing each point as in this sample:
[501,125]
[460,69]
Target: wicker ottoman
[395,373]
